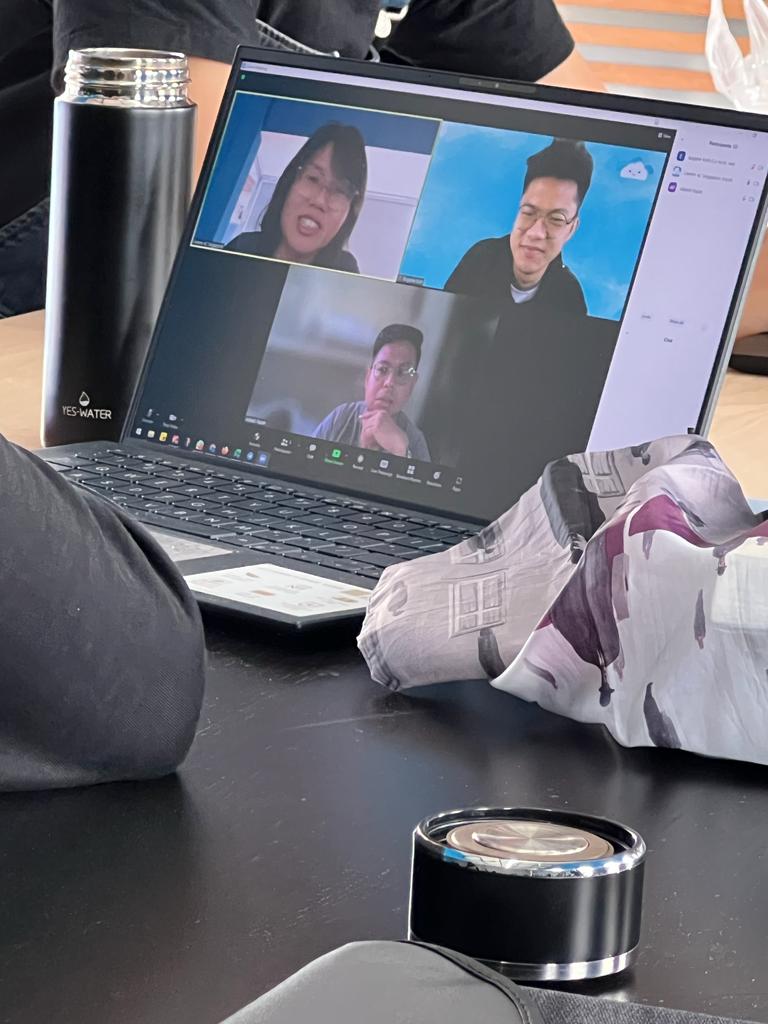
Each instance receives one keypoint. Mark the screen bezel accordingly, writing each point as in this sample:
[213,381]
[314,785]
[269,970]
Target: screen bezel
[375,71]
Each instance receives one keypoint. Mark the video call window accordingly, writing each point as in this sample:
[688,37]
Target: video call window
[557,222]
[373,365]
[316,184]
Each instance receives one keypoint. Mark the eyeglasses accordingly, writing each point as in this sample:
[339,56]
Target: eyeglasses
[555,222]
[399,374]
[313,183]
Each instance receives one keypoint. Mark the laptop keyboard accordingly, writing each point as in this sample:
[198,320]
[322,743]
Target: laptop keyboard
[342,533]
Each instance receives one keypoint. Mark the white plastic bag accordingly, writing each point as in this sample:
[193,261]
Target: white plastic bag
[741,79]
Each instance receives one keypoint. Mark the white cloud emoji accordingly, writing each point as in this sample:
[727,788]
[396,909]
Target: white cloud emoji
[635,171]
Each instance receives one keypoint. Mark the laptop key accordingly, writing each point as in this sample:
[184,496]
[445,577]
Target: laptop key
[252,504]
[399,525]
[124,487]
[99,484]
[139,504]
[270,535]
[350,527]
[369,572]
[192,489]
[178,525]
[363,569]
[439,533]
[132,475]
[302,555]
[361,543]
[315,520]
[321,534]
[209,520]
[395,551]
[162,496]
[131,504]
[382,534]
[331,563]
[340,551]
[170,472]
[177,513]
[288,527]
[305,503]
[285,512]
[382,561]
[398,551]
[80,476]
[255,518]
[244,490]
[419,522]
[307,543]
[108,460]
[364,518]
[431,547]
[278,548]
[198,504]
[425,544]
[259,546]
[291,552]
[247,529]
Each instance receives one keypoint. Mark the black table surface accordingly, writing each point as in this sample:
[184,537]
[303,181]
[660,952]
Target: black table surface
[287,833]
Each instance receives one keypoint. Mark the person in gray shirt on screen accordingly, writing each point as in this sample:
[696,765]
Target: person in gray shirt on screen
[378,421]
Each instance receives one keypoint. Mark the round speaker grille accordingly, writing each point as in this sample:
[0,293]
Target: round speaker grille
[535,841]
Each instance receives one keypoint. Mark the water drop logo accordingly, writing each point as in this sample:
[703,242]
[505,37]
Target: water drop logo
[85,410]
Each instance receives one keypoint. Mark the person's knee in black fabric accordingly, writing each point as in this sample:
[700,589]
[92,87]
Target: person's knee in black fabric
[102,652]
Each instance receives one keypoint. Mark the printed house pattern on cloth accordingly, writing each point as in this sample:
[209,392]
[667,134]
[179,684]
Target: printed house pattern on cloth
[627,588]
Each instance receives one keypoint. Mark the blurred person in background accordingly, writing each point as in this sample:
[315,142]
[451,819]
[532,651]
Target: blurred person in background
[523,39]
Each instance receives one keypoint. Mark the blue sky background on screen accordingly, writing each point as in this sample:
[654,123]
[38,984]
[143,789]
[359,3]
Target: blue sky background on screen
[473,191]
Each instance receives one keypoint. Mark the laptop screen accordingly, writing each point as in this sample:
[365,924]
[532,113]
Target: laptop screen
[425,293]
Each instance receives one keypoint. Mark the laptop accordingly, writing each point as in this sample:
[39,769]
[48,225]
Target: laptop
[399,294]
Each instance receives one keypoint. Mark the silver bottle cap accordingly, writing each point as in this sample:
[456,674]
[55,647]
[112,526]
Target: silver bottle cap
[151,79]
[535,841]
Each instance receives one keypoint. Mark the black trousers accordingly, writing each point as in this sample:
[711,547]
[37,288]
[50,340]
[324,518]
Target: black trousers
[101,645]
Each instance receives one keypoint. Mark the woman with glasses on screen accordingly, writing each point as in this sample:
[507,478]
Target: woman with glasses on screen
[316,203]
[527,264]
[378,421]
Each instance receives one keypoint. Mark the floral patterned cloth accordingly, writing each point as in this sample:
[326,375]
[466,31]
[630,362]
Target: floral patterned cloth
[628,588]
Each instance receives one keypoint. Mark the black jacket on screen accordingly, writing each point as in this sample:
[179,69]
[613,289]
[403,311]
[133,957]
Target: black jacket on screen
[486,271]
[252,244]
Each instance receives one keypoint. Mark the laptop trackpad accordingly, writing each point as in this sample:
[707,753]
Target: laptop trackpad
[275,588]
[186,549]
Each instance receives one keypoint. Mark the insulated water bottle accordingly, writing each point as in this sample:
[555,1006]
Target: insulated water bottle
[120,185]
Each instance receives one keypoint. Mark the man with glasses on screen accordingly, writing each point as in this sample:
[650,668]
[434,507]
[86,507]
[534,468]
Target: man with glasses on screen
[527,265]
[378,421]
